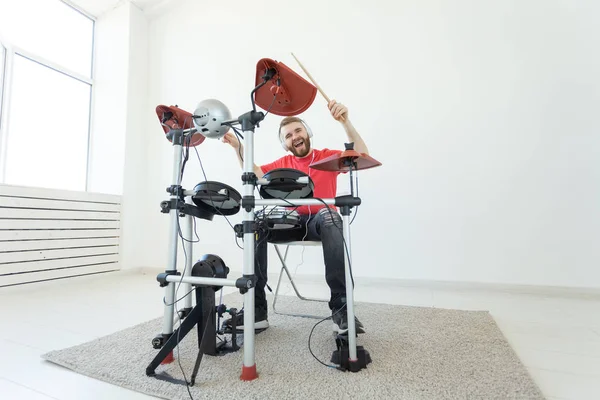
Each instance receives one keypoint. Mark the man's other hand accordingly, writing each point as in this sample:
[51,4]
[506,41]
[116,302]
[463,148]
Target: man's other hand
[232,140]
[338,111]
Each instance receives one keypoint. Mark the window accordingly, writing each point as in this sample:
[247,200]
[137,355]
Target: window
[54,31]
[48,83]
[48,125]
[2,67]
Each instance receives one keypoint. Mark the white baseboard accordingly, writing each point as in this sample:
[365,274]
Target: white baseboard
[538,290]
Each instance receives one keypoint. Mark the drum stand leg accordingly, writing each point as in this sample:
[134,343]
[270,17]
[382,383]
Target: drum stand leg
[249,121]
[176,198]
[348,356]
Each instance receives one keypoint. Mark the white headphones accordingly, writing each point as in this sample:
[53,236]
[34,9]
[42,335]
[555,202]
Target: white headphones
[308,130]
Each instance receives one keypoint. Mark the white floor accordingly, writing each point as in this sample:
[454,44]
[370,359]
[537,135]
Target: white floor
[556,335]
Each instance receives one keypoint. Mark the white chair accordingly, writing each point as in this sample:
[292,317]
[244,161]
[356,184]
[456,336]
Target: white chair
[287,271]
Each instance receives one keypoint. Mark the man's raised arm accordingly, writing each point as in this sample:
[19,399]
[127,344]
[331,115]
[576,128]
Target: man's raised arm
[340,113]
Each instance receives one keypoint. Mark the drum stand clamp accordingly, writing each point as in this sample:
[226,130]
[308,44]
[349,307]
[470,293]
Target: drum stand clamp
[183,208]
[240,229]
[249,177]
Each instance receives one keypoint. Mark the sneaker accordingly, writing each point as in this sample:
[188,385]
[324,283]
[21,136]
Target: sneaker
[340,322]
[260,321]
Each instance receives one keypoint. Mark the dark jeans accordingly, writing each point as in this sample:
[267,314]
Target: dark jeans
[323,226]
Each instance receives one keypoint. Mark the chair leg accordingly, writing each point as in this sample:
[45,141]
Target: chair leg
[285,268]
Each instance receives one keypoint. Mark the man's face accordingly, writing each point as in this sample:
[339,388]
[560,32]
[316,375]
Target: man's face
[296,138]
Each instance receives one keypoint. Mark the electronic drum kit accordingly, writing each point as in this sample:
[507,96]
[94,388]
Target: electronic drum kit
[281,191]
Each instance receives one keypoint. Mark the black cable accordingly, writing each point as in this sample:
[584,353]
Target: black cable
[180,234]
[179,299]
[238,135]
[310,335]
[196,231]
[179,357]
[264,217]
[356,212]
[185,148]
[212,201]
[219,315]
[273,102]
[238,243]
[351,276]
[266,236]
[177,311]
[186,152]
[252,94]
[264,82]
[209,194]
[187,385]
[183,240]
[343,238]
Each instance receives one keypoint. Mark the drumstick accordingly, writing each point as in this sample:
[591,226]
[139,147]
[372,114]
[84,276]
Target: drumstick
[314,82]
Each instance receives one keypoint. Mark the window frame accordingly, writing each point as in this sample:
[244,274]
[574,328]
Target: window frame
[6,73]
[2,69]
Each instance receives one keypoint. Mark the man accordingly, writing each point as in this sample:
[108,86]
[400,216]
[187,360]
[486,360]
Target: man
[318,223]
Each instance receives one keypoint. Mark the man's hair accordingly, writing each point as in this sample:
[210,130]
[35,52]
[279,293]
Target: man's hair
[289,120]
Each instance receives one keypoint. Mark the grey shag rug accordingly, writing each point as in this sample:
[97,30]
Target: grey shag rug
[417,353]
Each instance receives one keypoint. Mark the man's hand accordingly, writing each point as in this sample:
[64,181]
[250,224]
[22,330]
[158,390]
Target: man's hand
[338,111]
[232,140]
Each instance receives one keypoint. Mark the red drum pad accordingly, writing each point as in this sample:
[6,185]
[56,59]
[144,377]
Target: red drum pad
[294,95]
[173,117]
[339,162]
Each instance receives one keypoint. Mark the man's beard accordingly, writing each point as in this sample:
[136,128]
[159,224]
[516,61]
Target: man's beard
[303,150]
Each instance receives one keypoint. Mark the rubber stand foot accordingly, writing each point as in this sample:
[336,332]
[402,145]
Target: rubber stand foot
[341,357]
[168,359]
[248,373]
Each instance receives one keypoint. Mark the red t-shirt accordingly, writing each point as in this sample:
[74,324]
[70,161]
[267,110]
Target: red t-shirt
[325,181]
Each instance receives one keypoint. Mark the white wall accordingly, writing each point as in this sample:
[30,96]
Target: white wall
[135,208]
[109,119]
[119,150]
[482,113]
